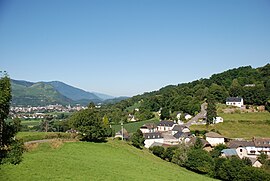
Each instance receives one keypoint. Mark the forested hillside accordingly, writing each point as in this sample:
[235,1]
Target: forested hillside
[253,84]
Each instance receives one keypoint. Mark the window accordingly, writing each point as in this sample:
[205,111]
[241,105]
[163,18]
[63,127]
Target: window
[241,150]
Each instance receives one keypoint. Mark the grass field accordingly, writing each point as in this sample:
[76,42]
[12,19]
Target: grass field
[114,160]
[31,136]
[241,125]
[133,127]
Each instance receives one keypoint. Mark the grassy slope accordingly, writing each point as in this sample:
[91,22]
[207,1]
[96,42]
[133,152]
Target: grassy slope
[245,125]
[114,160]
[31,136]
[133,127]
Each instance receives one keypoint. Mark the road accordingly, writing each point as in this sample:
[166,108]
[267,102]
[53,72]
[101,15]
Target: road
[200,115]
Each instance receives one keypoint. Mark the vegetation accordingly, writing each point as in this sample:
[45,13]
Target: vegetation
[116,160]
[137,139]
[31,136]
[240,125]
[90,125]
[196,159]
[11,149]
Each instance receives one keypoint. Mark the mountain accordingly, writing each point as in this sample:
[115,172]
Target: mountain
[54,92]
[74,93]
[36,94]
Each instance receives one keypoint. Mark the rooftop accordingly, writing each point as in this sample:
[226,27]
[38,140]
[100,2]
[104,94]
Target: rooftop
[234,99]
[213,135]
[229,152]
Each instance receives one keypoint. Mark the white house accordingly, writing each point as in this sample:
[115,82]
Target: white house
[251,148]
[151,138]
[214,138]
[235,101]
[188,116]
[218,120]
[165,125]
[149,128]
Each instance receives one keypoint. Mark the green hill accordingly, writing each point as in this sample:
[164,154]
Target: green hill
[114,160]
[37,94]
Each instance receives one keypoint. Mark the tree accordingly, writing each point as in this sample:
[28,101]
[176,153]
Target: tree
[137,139]
[236,89]
[90,125]
[180,156]
[198,144]
[169,153]
[11,149]
[211,110]
[216,152]
[165,113]
[158,151]
[199,160]
[262,157]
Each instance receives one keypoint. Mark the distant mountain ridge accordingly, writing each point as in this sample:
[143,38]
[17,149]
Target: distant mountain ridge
[44,93]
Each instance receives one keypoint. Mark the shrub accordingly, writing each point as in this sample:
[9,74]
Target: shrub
[158,151]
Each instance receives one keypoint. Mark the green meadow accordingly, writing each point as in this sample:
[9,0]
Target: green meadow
[134,126]
[114,160]
[241,125]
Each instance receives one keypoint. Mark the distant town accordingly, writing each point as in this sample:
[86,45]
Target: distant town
[39,112]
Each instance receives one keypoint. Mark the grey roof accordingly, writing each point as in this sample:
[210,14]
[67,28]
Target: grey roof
[229,152]
[261,142]
[166,123]
[213,135]
[155,135]
[180,134]
[233,99]
[178,127]
[240,143]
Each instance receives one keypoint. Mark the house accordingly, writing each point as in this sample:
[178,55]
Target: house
[188,116]
[235,101]
[183,137]
[169,139]
[262,145]
[214,138]
[176,128]
[218,120]
[121,135]
[149,128]
[165,125]
[251,148]
[151,138]
[243,148]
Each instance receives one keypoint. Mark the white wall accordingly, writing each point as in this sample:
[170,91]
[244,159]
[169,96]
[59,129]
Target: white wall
[215,141]
[149,142]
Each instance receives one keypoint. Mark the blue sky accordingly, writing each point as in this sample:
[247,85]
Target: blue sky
[124,48]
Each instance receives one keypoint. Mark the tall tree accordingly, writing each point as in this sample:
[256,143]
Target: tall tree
[211,110]
[235,89]
[11,149]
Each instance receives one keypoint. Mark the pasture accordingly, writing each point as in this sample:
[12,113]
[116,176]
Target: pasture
[114,160]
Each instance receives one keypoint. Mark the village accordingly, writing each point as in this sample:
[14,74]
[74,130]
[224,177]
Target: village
[168,133]
[39,112]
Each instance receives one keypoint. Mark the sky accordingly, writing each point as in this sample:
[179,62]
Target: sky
[128,47]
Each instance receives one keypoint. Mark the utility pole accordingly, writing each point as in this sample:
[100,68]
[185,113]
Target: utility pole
[122,130]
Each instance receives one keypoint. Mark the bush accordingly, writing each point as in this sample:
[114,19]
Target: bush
[158,151]
[169,152]
[180,156]
[199,161]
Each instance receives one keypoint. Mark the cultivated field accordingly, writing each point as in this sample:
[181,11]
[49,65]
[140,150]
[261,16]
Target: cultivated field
[114,160]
